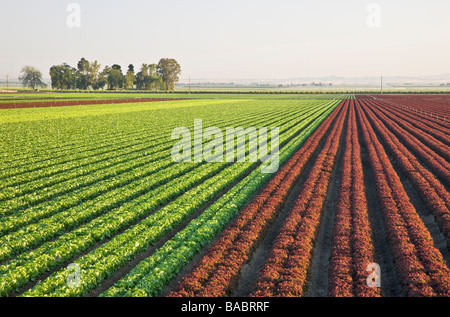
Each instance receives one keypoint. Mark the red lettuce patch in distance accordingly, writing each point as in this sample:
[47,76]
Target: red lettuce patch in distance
[432,192]
[432,151]
[430,107]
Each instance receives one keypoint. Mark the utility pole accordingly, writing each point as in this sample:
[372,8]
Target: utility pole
[381,84]
[7,82]
[189,84]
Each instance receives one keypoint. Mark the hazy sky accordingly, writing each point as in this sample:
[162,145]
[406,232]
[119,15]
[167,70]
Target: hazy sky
[232,39]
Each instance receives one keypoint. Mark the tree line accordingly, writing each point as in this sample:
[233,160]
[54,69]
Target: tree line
[87,75]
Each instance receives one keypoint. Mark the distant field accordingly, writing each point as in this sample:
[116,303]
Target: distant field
[43,96]
[334,89]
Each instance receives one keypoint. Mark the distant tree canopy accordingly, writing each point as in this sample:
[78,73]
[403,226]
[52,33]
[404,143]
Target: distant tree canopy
[169,69]
[31,77]
[115,78]
[63,77]
[130,78]
[87,75]
[147,79]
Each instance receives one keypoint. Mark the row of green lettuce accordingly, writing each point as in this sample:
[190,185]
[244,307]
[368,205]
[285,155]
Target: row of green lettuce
[67,206]
[103,261]
[126,208]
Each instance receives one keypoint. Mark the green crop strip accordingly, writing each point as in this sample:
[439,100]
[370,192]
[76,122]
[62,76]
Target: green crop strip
[69,197]
[188,203]
[69,200]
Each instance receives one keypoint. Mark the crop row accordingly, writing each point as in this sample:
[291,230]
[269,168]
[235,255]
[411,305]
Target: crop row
[419,265]
[219,268]
[77,193]
[416,116]
[286,268]
[105,259]
[421,109]
[150,276]
[62,219]
[422,134]
[82,160]
[435,155]
[22,152]
[433,105]
[16,198]
[76,208]
[76,156]
[432,192]
[435,137]
[40,139]
[352,249]
[150,229]
[68,245]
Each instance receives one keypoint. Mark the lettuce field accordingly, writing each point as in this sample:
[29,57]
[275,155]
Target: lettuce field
[92,203]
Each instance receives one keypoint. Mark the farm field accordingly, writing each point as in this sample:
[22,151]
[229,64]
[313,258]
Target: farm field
[89,189]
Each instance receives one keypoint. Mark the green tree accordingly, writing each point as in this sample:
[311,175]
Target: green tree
[102,80]
[157,83]
[130,78]
[148,79]
[152,70]
[31,77]
[87,74]
[94,72]
[84,78]
[63,76]
[116,79]
[142,77]
[169,70]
